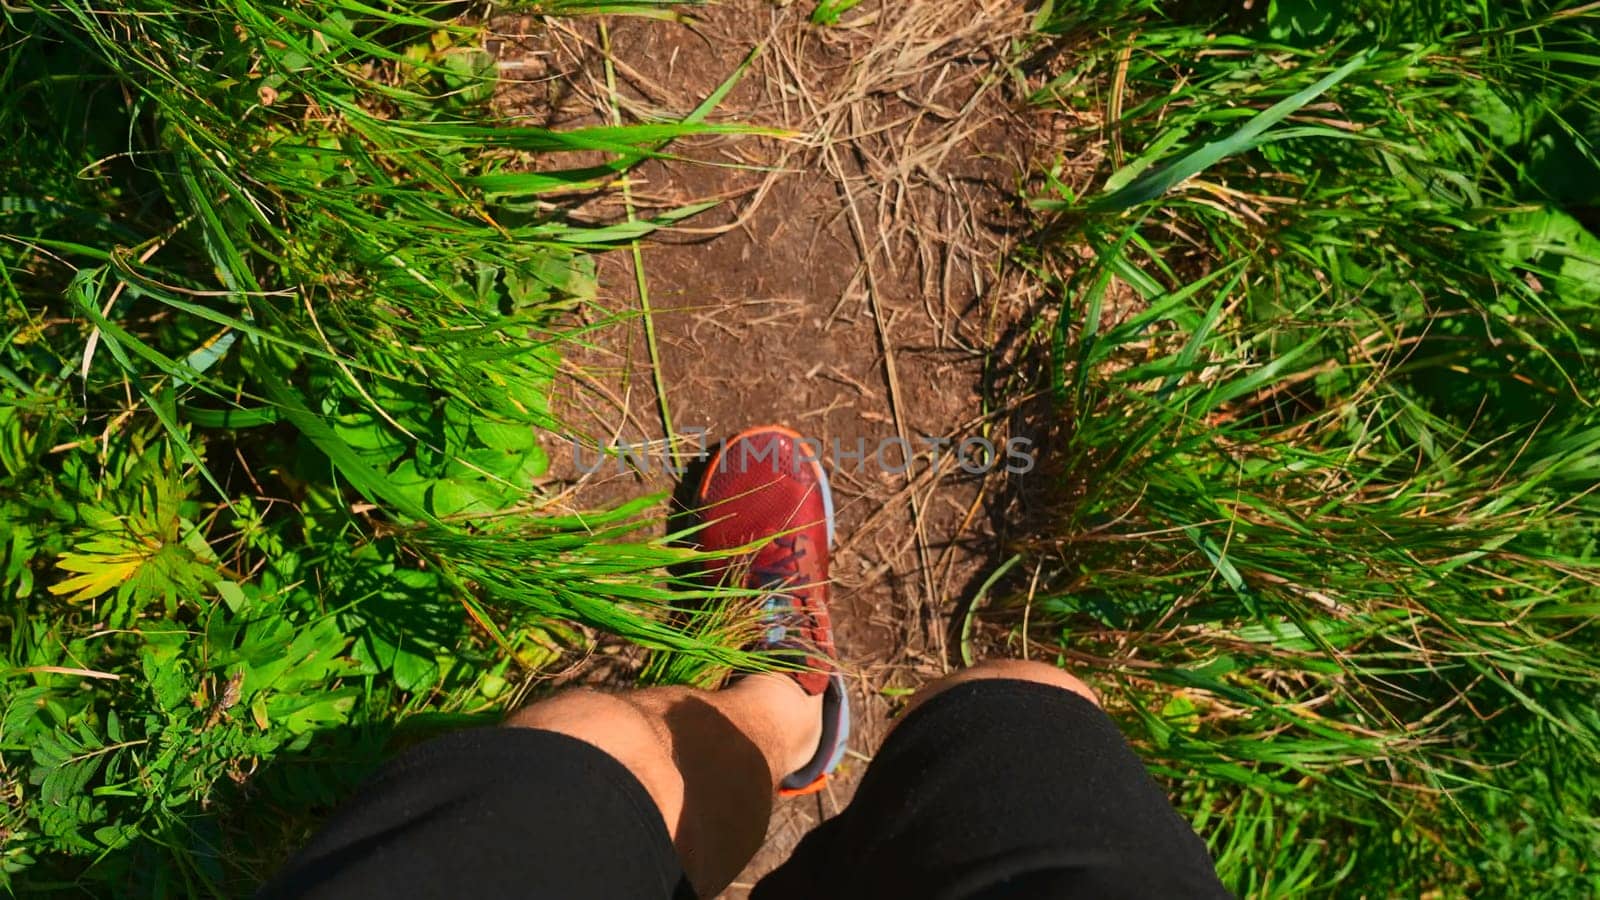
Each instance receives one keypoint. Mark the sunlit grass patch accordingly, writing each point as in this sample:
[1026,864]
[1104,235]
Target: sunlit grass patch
[1326,520]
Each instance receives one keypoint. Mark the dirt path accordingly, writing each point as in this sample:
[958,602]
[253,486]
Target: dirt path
[846,285]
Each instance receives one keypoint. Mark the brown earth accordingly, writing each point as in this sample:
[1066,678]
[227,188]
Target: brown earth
[849,284]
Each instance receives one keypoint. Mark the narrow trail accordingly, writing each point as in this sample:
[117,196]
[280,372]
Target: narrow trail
[848,283]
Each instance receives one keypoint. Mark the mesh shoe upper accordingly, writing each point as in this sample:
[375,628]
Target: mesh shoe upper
[763,484]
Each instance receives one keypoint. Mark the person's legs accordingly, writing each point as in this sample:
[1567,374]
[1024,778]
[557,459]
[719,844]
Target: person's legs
[711,760]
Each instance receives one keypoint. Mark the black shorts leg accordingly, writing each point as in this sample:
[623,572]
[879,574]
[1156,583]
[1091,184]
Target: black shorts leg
[490,813]
[1002,789]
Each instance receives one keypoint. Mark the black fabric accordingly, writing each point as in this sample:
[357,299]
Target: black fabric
[489,813]
[992,790]
[1001,789]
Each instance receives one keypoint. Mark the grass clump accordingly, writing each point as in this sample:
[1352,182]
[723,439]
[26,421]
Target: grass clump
[1330,446]
[280,294]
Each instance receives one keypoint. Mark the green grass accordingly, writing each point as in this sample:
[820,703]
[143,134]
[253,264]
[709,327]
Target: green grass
[1328,446]
[282,297]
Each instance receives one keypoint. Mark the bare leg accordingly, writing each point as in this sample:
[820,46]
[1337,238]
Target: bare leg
[711,760]
[1011,669]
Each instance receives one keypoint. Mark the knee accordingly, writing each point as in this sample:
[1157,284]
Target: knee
[623,727]
[610,721]
[1014,670]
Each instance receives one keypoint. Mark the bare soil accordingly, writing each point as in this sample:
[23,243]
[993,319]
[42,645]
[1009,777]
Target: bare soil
[849,283]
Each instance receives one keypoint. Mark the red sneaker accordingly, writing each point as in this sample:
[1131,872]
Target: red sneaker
[765,487]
